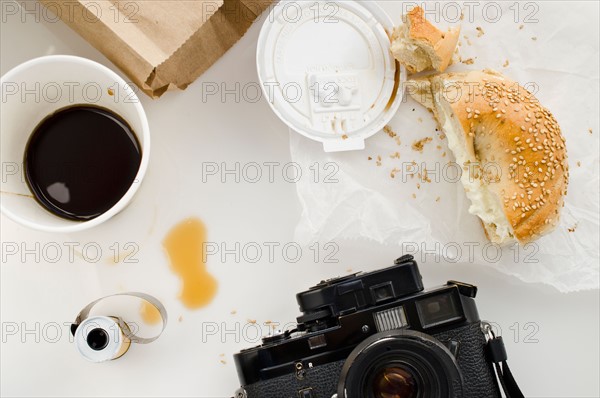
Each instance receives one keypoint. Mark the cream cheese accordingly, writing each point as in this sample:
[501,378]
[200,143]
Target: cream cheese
[484,204]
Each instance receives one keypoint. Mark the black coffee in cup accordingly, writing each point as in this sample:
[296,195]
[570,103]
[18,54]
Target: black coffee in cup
[81,160]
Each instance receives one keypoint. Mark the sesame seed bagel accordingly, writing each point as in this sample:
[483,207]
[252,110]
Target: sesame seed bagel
[511,148]
[419,45]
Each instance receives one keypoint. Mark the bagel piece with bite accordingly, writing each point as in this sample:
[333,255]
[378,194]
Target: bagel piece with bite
[514,157]
[420,46]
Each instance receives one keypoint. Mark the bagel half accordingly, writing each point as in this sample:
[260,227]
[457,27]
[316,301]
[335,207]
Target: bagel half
[419,45]
[514,157]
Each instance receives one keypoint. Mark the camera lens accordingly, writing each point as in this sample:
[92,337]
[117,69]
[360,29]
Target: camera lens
[395,382]
[97,339]
[400,363]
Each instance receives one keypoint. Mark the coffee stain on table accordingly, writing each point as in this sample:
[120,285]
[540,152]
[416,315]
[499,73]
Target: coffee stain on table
[17,194]
[127,255]
[153,223]
[184,245]
[149,313]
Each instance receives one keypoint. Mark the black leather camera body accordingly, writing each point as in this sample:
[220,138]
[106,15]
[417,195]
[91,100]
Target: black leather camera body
[375,335]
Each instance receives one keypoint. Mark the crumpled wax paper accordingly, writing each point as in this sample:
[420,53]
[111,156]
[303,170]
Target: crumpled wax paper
[354,197]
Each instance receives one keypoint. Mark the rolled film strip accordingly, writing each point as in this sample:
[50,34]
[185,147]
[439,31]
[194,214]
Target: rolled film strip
[104,338]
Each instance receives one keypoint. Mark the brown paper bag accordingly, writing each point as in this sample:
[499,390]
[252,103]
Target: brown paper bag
[160,44]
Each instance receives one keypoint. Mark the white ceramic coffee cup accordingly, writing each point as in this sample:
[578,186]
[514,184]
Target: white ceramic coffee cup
[36,89]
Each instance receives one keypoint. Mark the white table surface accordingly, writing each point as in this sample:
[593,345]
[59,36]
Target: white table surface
[559,359]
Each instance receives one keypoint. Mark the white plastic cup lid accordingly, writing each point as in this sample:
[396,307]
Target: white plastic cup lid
[328,72]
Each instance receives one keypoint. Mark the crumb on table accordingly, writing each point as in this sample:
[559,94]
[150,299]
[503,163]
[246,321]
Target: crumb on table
[388,130]
[426,176]
[419,145]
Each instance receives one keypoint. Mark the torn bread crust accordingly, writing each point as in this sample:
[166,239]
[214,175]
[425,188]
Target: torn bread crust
[493,124]
[420,46]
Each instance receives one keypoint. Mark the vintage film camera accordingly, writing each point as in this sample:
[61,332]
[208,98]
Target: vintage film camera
[380,335]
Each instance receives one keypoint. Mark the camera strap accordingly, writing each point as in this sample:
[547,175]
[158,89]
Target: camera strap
[85,312]
[496,352]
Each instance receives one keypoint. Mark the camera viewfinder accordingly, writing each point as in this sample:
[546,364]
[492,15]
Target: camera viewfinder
[439,309]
